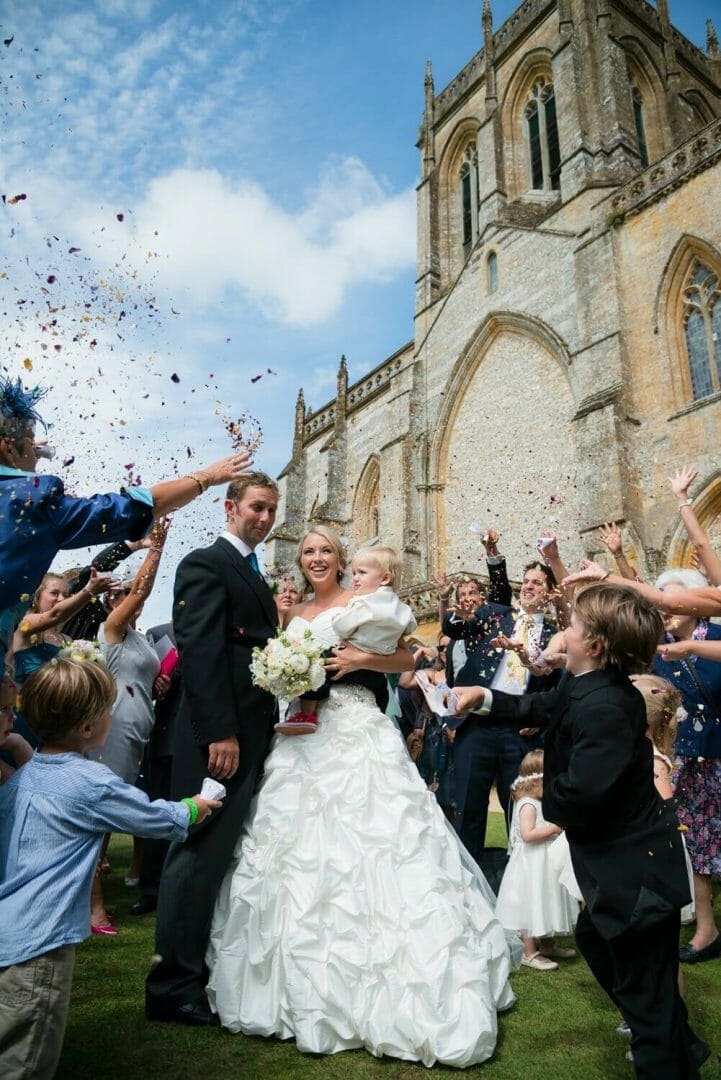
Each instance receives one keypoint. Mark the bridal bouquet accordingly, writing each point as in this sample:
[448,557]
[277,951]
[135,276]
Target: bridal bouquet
[290,665]
[82,650]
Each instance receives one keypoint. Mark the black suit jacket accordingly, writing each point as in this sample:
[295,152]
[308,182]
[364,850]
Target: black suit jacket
[483,660]
[598,784]
[221,609]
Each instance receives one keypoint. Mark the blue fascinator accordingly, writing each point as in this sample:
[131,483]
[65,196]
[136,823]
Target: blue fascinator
[18,407]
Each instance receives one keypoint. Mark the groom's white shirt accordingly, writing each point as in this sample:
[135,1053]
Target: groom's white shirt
[238,544]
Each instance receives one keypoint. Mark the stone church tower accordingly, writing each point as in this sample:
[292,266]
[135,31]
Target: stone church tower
[566,355]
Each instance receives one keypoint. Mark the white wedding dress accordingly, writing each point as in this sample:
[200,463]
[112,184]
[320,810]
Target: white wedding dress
[351,916]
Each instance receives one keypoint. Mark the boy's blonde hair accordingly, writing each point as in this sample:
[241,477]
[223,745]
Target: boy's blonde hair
[530,773]
[385,558]
[626,626]
[663,701]
[63,694]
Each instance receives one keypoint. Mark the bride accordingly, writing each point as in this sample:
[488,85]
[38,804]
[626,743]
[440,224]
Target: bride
[351,916]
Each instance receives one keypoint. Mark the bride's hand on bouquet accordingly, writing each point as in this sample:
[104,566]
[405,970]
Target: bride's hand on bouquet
[223,758]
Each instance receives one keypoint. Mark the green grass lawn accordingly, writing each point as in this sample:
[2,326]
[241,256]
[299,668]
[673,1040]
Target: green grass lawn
[561,1028]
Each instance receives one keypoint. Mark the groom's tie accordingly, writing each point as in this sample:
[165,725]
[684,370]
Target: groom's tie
[252,561]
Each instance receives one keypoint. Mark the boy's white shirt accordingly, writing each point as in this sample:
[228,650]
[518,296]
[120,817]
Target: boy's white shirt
[375,621]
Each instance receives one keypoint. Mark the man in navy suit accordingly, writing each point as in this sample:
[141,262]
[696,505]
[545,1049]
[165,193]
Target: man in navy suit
[484,754]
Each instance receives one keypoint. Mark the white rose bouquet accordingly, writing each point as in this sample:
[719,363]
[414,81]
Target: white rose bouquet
[290,665]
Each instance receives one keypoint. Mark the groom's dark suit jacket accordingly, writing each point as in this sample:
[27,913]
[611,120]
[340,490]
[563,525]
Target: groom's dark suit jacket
[222,608]
[598,784]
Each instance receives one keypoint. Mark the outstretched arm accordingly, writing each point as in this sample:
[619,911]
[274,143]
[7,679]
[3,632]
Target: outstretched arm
[703,603]
[117,623]
[170,495]
[610,536]
[547,548]
[681,650]
[35,622]
[680,482]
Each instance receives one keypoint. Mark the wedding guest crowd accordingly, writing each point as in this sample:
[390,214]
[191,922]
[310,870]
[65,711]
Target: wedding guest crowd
[499,654]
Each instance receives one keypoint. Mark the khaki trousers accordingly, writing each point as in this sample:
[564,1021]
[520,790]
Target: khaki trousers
[34,1000]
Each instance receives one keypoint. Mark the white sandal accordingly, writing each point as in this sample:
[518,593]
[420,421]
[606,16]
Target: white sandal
[538,962]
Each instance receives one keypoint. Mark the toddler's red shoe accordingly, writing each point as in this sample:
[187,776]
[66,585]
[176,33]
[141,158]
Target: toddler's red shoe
[299,723]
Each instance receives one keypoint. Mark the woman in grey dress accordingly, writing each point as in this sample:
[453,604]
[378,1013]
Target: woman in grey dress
[134,664]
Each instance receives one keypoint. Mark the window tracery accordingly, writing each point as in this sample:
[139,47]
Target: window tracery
[468,178]
[639,119]
[543,142]
[702,330]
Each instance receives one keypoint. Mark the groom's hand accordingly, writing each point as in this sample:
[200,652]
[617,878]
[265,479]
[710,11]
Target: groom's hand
[223,758]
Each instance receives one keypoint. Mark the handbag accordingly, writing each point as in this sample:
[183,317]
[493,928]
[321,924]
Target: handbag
[416,739]
[701,687]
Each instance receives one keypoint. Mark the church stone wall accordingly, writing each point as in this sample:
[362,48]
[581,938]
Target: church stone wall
[561,397]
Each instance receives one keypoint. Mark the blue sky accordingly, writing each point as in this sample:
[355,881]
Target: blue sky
[212,190]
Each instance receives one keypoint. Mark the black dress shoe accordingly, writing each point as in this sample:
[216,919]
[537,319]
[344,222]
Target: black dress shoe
[144,905]
[195,1013]
[700,1052]
[690,955]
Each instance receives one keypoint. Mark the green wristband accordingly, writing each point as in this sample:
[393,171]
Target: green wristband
[193,808]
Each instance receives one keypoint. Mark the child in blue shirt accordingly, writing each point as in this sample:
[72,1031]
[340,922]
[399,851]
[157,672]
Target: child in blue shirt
[54,812]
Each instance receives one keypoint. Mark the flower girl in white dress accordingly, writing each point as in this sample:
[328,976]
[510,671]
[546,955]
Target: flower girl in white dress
[351,915]
[531,898]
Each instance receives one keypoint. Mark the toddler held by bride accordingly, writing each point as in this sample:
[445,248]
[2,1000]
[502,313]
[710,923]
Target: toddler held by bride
[373,620]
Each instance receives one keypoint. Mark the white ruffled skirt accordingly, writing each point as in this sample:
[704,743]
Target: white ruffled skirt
[351,916]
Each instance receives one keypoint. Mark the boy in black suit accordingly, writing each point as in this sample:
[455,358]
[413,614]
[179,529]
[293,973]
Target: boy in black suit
[624,840]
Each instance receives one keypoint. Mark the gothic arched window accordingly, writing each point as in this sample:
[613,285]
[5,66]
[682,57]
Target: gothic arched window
[366,505]
[702,329]
[639,120]
[468,177]
[543,144]
[492,269]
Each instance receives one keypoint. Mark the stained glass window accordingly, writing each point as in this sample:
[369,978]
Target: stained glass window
[702,328]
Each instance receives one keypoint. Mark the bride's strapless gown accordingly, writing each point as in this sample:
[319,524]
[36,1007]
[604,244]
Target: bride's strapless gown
[351,916]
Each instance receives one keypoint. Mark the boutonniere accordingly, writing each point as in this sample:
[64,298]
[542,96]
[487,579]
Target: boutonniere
[238,632]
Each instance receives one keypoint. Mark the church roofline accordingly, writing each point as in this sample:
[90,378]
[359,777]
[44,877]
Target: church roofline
[523,19]
[375,380]
[641,11]
[526,16]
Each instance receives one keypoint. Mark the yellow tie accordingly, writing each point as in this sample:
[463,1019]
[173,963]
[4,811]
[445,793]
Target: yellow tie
[515,670]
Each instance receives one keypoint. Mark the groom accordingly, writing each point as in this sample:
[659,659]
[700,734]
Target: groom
[222,608]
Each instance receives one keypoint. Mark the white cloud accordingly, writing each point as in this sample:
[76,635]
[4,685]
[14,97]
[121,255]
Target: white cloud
[214,235]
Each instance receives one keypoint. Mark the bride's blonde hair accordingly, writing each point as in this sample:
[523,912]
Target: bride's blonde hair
[335,542]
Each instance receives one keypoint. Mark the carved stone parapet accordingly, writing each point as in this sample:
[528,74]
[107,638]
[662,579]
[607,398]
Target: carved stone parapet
[466,78]
[698,153]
